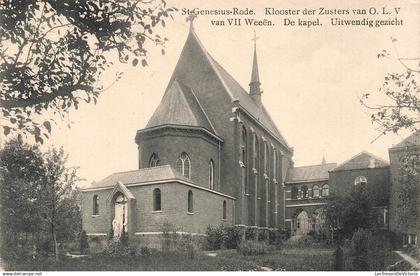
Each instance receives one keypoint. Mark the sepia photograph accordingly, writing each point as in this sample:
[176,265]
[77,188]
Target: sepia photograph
[192,135]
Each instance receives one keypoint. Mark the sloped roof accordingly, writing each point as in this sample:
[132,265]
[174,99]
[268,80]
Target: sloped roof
[139,176]
[363,160]
[412,140]
[309,173]
[247,102]
[179,106]
[196,54]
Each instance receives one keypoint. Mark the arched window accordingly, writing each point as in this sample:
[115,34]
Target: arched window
[315,191]
[294,192]
[211,174]
[243,145]
[275,164]
[95,205]
[190,202]
[154,160]
[305,193]
[325,190]
[183,165]
[157,200]
[266,158]
[360,180]
[256,149]
[224,209]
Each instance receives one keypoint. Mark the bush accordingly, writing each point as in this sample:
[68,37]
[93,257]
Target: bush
[231,237]
[186,245]
[251,233]
[252,247]
[262,235]
[215,237]
[84,245]
[361,241]
[116,249]
[145,251]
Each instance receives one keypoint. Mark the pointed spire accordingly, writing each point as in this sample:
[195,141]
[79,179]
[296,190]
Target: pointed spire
[191,18]
[254,85]
[323,160]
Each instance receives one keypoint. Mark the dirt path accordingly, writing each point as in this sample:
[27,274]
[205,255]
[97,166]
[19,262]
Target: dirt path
[409,259]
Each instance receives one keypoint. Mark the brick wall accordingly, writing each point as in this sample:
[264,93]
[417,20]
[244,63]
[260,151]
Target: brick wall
[395,224]
[208,208]
[378,183]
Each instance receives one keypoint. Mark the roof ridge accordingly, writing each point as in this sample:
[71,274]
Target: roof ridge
[319,165]
[142,169]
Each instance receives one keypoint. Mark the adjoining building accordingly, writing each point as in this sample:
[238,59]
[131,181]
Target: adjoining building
[405,179]
[307,191]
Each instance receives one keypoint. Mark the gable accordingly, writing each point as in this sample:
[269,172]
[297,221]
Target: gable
[412,140]
[363,160]
[196,61]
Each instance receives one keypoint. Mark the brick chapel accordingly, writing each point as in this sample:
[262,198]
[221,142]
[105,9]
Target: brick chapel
[211,155]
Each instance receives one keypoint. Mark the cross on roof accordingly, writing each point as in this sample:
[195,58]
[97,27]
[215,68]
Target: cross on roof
[191,18]
[255,39]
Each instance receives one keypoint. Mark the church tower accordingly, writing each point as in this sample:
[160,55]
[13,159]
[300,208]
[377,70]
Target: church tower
[254,85]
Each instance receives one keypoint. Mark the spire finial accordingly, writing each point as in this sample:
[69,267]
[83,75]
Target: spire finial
[191,18]
[255,40]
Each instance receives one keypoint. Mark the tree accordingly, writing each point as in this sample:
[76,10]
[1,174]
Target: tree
[401,109]
[53,53]
[349,212]
[38,198]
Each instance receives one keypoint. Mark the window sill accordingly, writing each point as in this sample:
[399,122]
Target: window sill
[95,216]
[157,212]
[190,213]
[224,220]
[246,194]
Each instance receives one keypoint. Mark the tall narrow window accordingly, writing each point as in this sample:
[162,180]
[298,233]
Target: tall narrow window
[315,191]
[255,149]
[95,205]
[157,200]
[275,164]
[154,160]
[305,193]
[190,202]
[211,174]
[325,190]
[295,193]
[243,146]
[244,159]
[224,209]
[266,158]
[183,165]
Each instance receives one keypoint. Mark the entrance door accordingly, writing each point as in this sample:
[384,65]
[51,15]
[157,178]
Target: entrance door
[120,219]
[303,225]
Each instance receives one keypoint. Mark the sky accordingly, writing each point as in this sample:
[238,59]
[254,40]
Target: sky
[312,80]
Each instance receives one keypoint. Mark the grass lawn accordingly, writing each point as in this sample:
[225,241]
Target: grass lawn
[308,259]
[156,262]
[225,260]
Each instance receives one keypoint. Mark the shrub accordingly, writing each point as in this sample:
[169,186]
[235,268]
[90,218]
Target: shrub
[262,235]
[84,245]
[215,237]
[169,235]
[116,249]
[251,233]
[273,237]
[252,247]
[145,251]
[186,245]
[361,241]
[231,237]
